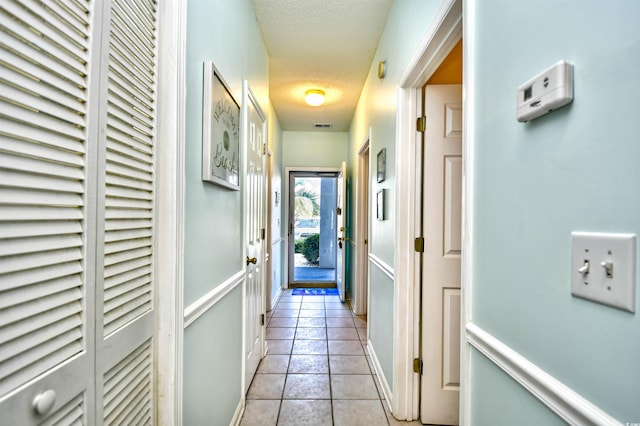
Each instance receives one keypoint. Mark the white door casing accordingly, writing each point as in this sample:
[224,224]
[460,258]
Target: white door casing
[341,225]
[361,285]
[441,273]
[78,207]
[254,146]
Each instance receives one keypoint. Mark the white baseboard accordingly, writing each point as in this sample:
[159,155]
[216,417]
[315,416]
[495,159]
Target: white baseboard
[276,298]
[202,305]
[562,400]
[386,389]
[237,416]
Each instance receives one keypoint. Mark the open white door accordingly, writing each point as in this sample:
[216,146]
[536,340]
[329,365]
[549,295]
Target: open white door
[342,231]
[441,272]
[254,128]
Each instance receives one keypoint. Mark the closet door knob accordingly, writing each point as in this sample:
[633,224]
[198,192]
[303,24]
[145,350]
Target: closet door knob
[44,402]
[251,260]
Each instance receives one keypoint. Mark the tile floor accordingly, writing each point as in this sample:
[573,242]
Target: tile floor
[317,370]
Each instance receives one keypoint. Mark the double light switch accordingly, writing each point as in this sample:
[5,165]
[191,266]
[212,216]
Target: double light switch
[603,268]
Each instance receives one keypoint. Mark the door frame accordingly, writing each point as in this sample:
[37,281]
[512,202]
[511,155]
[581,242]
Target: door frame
[287,172]
[169,264]
[362,224]
[442,34]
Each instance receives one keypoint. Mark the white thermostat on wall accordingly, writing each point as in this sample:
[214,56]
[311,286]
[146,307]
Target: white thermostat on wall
[546,92]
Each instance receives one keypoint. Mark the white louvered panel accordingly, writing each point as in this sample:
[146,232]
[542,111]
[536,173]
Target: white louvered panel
[11,264]
[52,154]
[65,52]
[129,165]
[41,320]
[43,93]
[123,12]
[45,60]
[40,336]
[41,136]
[22,368]
[72,413]
[118,93]
[127,389]
[50,273]
[40,213]
[129,153]
[13,228]
[36,244]
[127,130]
[69,40]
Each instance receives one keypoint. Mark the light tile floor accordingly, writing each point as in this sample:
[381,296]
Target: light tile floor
[317,370]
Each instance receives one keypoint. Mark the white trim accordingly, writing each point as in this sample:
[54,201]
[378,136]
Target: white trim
[384,267]
[468,142]
[442,34]
[237,415]
[277,241]
[386,389]
[360,288]
[169,261]
[560,399]
[203,304]
[274,300]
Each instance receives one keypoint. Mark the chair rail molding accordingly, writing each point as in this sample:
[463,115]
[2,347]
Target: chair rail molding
[203,304]
[562,400]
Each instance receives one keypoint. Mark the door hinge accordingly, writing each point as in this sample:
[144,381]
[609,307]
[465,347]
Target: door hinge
[421,124]
[338,211]
[261,319]
[264,149]
[417,366]
[263,233]
[419,244]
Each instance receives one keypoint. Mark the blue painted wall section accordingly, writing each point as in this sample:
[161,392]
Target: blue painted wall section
[575,169]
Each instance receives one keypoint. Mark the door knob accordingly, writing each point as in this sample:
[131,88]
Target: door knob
[44,402]
[251,260]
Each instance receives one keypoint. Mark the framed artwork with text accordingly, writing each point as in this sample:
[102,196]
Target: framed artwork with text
[220,131]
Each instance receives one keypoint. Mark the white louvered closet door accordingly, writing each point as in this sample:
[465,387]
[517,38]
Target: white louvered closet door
[77,128]
[125,320]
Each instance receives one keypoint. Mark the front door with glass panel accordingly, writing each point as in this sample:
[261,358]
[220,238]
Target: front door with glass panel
[312,228]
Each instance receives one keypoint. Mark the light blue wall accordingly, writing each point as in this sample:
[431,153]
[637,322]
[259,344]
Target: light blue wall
[376,110]
[573,170]
[225,32]
[212,364]
[277,245]
[314,149]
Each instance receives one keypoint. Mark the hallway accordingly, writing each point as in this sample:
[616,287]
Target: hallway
[317,370]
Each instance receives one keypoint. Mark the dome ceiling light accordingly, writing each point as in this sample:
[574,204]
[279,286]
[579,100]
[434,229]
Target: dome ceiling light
[314,97]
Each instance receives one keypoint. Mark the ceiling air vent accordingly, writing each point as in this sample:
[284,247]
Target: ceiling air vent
[322,125]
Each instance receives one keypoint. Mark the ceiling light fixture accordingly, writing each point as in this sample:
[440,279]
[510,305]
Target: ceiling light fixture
[314,97]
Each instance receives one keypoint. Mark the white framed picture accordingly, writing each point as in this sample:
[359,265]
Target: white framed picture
[220,131]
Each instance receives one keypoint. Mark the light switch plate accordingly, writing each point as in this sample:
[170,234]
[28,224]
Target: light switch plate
[603,268]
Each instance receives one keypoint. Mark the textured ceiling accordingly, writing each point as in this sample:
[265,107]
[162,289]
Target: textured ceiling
[319,44]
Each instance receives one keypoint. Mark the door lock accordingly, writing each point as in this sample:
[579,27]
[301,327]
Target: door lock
[251,260]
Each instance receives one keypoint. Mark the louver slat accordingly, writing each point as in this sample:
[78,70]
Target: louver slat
[43,93]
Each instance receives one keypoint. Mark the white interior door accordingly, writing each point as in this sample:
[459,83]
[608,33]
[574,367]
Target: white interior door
[254,127]
[341,231]
[441,277]
[77,212]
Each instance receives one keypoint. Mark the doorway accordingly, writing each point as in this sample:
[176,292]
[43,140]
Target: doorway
[361,282]
[312,236]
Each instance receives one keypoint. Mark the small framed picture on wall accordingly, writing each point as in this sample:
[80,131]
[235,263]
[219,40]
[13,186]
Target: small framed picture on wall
[382,164]
[380,205]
